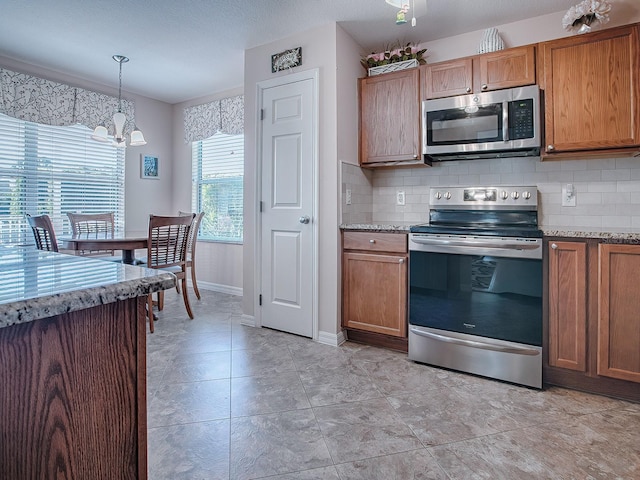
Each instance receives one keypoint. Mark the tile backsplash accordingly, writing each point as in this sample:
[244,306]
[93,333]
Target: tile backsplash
[607,190]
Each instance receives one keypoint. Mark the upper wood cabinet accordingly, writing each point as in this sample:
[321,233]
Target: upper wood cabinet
[619,312]
[446,79]
[591,91]
[513,67]
[390,119]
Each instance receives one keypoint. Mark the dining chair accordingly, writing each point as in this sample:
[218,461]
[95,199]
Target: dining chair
[92,223]
[43,232]
[167,250]
[191,248]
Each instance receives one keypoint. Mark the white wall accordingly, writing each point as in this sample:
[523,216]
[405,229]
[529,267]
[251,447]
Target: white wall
[142,196]
[319,47]
[524,32]
[219,265]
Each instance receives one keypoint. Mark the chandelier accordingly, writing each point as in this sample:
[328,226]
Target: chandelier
[102,135]
[401,16]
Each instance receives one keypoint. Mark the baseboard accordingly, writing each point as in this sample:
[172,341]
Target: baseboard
[216,287]
[333,339]
[248,320]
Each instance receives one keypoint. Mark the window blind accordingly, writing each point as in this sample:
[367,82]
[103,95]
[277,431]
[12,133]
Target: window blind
[54,170]
[218,172]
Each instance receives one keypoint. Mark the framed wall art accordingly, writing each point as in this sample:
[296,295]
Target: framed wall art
[149,166]
[287,59]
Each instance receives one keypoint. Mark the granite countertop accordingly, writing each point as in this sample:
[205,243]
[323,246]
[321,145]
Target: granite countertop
[631,236]
[365,227]
[622,235]
[35,284]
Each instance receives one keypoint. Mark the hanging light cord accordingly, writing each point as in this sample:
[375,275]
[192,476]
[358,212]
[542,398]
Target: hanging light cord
[120,88]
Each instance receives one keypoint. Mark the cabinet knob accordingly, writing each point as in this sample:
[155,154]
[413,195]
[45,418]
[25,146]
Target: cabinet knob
[372,241]
[550,147]
[554,245]
[484,86]
[468,90]
[415,156]
[401,260]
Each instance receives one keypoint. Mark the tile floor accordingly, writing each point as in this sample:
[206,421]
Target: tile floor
[233,402]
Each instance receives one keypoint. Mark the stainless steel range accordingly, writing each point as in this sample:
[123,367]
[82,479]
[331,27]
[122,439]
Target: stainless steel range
[475,283]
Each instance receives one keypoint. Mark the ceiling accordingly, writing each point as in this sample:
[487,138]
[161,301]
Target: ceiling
[186,49]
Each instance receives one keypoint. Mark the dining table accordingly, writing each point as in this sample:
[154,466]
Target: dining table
[127,242]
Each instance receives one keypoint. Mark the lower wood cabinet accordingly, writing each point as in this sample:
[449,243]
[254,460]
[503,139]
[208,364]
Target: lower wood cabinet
[374,286]
[619,312]
[593,317]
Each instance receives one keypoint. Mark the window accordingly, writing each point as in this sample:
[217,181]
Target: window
[55,170]
[218,172]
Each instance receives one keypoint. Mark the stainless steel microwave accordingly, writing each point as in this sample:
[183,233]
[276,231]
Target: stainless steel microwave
[502,123]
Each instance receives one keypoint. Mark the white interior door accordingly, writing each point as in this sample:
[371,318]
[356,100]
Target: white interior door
[288,189]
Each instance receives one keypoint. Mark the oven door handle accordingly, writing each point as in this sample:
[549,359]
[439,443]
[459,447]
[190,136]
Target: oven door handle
[475,243]
[471,343]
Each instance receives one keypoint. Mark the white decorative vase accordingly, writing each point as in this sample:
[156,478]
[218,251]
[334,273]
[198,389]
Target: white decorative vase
[491,41]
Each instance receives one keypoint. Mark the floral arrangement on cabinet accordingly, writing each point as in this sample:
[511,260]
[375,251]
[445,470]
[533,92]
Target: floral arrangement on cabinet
[394,55]
[581,16]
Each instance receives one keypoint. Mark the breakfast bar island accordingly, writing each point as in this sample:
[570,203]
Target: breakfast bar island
[73,366]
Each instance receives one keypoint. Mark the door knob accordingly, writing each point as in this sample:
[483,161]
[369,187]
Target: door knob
[304,219]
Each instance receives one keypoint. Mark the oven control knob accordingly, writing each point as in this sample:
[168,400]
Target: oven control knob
[438,195]
[526,195]
[515,195]
[504,195]
[447,195]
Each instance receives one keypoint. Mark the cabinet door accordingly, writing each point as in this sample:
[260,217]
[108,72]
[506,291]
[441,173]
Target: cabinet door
[375,293]
[619,312]
[592,92]
[390,117]
[446,79]
[514,67]
[567,305]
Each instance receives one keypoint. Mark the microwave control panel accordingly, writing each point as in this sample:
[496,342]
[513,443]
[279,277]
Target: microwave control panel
[521,119]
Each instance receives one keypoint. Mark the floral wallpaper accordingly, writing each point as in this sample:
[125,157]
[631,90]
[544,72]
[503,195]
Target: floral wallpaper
[225,115]
[39,100]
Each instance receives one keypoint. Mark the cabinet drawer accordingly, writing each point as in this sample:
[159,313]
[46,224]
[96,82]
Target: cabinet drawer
[375,242]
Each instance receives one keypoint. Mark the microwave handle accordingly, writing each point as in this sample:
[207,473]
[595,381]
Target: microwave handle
[505,121]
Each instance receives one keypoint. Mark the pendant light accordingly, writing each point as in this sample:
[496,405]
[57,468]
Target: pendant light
[403,5]
[102,135]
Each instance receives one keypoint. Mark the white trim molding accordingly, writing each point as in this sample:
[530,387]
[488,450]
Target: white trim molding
[333,339]
[216,287]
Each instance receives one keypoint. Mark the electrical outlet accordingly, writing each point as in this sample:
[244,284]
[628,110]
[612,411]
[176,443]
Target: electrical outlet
[400,197]
[568,195]
[347,197]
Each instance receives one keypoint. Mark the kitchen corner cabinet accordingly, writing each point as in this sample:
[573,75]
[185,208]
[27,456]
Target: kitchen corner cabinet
[619,312]
[374,288]
[568,305]
[591,92]
[592,318]
[513,67]
[390,119]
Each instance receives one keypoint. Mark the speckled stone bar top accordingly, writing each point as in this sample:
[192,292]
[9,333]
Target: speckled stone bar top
[606,236]
[36,284]
[376,228]
[630,236]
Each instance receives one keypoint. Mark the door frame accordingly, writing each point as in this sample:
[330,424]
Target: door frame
[313,75]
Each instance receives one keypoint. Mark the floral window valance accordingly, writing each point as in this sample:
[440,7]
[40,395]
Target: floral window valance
[225,115]
[38,100]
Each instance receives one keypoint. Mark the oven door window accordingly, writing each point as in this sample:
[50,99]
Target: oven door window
[492,297]
[462,126]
